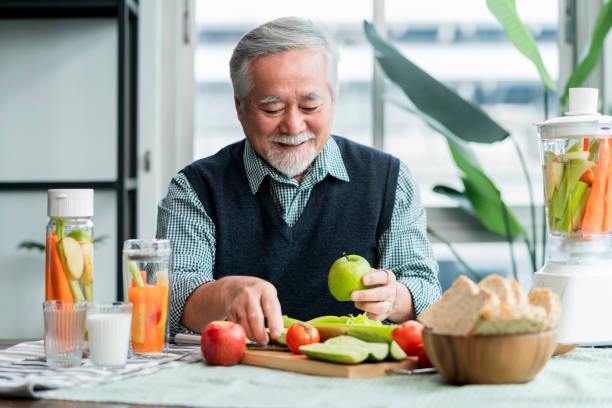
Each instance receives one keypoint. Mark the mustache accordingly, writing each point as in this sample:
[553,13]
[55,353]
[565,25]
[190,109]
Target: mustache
[292,140]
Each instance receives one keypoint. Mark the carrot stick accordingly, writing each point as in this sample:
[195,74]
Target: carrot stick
[594,214]
[58,275]
[607,221]
[585,142]
[49,295]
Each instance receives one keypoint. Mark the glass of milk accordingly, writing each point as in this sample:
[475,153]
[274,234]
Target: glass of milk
[109,333]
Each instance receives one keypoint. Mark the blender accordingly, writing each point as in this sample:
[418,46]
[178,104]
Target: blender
[576,155]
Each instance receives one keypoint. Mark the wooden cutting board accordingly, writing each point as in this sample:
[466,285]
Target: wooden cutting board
[287,361]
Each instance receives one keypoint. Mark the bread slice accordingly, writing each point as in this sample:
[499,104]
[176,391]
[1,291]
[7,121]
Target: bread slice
[506,319]
[519,293]
[501,287]
[549,301]
[458,309]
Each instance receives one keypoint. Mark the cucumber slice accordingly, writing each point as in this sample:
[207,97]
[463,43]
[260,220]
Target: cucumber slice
[377,351]
[281,340]
[367,335]
[395,352]
[335,353]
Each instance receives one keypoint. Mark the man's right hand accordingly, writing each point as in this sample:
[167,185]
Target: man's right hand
[248,300]
[242,299]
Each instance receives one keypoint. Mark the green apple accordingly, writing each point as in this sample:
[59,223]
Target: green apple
[346,274]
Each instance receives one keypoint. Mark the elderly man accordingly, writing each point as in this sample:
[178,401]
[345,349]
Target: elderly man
[256,226]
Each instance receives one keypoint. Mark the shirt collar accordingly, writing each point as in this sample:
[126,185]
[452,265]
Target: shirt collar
[328,161]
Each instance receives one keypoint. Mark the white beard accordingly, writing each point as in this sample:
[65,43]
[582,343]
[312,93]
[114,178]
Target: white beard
[291,164]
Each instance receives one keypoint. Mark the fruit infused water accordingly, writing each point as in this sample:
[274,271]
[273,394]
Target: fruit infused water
[147,278]
[69,246]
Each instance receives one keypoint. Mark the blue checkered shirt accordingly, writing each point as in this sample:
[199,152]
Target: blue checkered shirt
[403,248]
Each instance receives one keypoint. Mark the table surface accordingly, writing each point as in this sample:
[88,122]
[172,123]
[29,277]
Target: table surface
[42,403]
[579,378]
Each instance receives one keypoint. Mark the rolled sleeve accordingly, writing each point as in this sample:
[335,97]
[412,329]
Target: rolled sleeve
[404,248]
[182,219]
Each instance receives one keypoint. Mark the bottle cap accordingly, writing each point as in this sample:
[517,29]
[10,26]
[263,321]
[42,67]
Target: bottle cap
[70,202]
[582,101]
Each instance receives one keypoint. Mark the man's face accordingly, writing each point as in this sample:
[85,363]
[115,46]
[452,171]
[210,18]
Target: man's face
[288,115]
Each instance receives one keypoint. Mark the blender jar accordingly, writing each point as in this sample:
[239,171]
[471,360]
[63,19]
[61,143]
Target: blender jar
[577,170]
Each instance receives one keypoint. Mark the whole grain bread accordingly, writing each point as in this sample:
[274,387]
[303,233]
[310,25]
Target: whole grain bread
[458,309]
[501,287]
[549,301]
[495,306]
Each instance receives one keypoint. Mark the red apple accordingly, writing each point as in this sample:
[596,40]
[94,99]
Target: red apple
[409,336]
[223,343]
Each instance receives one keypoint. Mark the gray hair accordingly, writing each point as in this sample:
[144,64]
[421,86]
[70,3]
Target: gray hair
[274,37]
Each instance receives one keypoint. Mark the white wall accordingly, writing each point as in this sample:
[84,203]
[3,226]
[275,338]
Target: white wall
[58,108]
[166,105]
[58,99]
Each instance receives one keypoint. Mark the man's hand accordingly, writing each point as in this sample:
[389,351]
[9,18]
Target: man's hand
[377,301]
[249,300]
[385,298]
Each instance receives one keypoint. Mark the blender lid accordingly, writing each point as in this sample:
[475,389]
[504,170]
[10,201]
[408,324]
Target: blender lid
[582,119]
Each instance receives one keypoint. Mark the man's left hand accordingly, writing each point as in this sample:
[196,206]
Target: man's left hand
[378,300]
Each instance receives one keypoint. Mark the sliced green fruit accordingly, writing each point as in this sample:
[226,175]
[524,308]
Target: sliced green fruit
[336,353]
[553,171]
[549,156]
[576,155]
[395,352]
[88,249]
[75,260]
[576,147]
[575,168]
[367,335]
[573,216]
[383,330]
[594,149]
[377,351]
[289,321]
[80,235]
[328,319]
[281,340]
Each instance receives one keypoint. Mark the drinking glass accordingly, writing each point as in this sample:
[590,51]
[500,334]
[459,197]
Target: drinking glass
[147,283]
[109,333]
[64,332]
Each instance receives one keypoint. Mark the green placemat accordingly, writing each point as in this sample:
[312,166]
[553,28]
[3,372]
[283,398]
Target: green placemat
[582,377]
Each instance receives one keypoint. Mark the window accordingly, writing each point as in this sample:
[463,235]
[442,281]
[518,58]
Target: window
[219,28]
[459,43]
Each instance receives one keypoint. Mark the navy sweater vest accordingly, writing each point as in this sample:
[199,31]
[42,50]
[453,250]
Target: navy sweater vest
[253,239]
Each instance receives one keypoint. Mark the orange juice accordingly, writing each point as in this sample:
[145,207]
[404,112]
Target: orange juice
[150,306]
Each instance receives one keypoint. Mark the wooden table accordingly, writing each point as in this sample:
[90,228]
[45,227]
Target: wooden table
[42,403]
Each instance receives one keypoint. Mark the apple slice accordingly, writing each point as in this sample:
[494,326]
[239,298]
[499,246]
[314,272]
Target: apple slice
[75,259]
[88,249]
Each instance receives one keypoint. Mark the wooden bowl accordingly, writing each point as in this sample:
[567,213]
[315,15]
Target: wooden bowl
[505,359]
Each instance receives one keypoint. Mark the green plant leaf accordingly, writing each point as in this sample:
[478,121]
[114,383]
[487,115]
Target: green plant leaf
[31,245]
[464,119]
[593,50]
[456,195]
[506,14]
[459,144]
[486,199]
